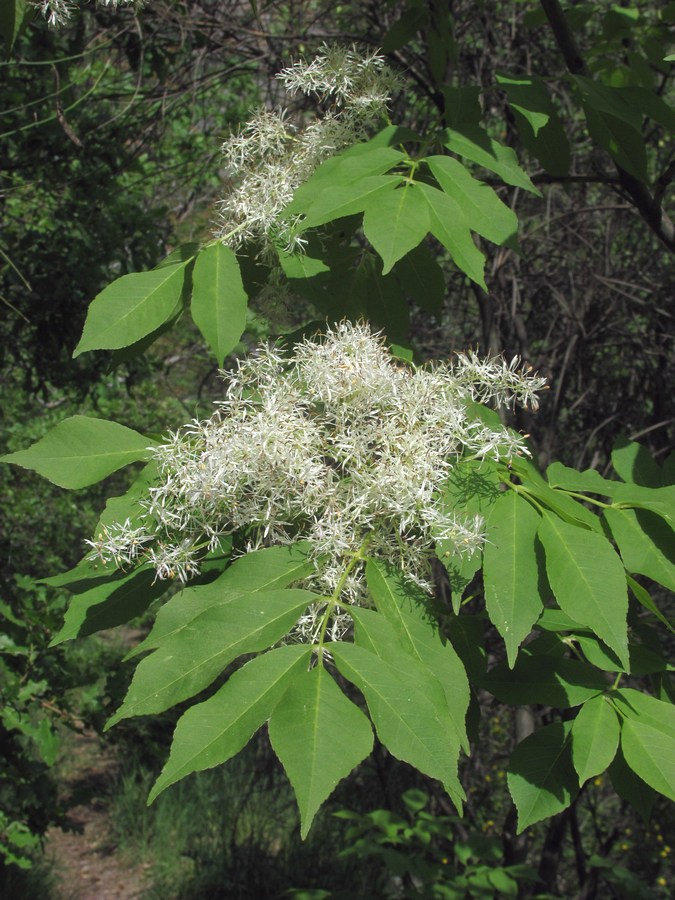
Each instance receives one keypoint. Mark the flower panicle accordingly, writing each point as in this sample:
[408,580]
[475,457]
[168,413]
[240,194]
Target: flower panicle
[333,443]
[498,381]
[269,158]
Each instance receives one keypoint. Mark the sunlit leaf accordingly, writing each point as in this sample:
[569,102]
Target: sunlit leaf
[595,737]
[395,223]
[319,736]
[81,451]
[211,732]
[188,662]
[133,306]
[410,723]
[219,300]
[588,580]
[513,570]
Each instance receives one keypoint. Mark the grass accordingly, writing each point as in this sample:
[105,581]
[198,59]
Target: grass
[232,833]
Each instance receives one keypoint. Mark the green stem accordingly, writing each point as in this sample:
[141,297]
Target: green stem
[521,489]
[585,498]
[222,238]
[334,599]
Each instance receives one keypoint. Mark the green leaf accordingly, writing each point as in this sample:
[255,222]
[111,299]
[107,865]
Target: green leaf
[513,570]
[384,305]
[341,200]
[658,500]
[189,661]
[623,142]
[595,738]
[471,489]
[422,279]
[630,787]
[212,732]
[86,574]
[12,14]
[268,569]
[219,300]
[126,506]
[633,462]
[541,777]
[610,100]
[529,97]
[404,29]
[319,736]
[461,572]
[409,724]
[301,266]
[354,164]
[566,507]
[483,210]
[396,222]
[589,481]
[643,597]
[184,253]
[473,143]
[651,755]
[112,603]
[646,544]
[550,146]
[81,451]
[557,620]
[641,707]
[448,224]
[404,606]
[546,679]
[462,105]
[588,580]
[467,635]
[537,122]
[133,306]
[644,660]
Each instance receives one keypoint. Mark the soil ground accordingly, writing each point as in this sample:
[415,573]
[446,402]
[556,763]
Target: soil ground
[86,862]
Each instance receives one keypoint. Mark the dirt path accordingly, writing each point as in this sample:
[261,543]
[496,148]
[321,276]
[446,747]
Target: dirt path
[85,861]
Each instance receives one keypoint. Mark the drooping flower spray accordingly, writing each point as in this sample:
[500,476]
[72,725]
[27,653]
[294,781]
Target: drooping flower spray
[270,158]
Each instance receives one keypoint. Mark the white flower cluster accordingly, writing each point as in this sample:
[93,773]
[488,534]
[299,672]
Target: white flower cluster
[58,12]
[268,159]
[337,444]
